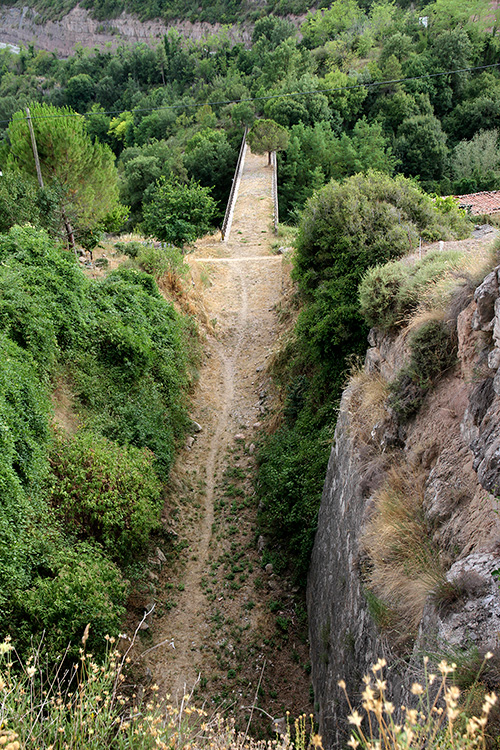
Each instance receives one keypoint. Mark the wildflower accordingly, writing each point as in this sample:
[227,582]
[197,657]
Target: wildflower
[490,699]
[412,716]
[355,718]
[381,663]
[452,695]
[353,743]
[417,689]
[368,694]
[488,655]
[316,740]
[444,667]
[5,647]
[30,671]
[341,684]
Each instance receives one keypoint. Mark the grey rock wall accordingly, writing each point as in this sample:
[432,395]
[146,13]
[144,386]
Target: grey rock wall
[455,442]
[344,640]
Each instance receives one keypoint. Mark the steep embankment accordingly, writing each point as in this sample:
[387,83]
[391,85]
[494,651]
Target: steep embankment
[408,530]
[24,26]
[223,622]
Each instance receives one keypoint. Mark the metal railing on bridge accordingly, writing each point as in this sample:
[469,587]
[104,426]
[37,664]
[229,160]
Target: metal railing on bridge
[274,190]
[228,216]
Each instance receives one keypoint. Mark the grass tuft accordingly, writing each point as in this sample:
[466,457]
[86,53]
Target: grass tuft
[405,565]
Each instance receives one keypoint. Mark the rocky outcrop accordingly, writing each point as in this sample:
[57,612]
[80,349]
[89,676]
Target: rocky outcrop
[454,440]
[24,26]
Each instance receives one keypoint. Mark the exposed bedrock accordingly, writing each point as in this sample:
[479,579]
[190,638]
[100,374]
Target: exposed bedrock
[453,444]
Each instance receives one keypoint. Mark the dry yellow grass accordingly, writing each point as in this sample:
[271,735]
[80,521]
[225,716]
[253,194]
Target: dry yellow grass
[405,565]
[367,397]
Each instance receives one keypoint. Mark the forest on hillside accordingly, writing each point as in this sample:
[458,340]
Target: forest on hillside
[381,105]
[177,111]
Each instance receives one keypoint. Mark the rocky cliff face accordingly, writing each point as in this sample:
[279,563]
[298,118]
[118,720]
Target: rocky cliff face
[453,445]
[24,26]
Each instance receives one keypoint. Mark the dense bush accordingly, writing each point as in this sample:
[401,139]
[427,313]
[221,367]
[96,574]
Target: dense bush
[83,587]
[105,492]
[290,481]
[368,219]
[177,213]
[388,293]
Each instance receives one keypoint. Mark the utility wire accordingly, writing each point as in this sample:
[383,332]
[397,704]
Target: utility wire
[367,84]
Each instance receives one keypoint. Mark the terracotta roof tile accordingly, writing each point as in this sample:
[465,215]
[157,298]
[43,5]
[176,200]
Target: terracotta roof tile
[486,202]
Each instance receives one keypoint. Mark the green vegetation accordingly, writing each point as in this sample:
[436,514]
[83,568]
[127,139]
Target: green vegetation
[81,173]
[177,213]
[431,353]
[157,130]
[389,293]
[345,229]
[267,136]
[77,508]
[106,492]
[177,111]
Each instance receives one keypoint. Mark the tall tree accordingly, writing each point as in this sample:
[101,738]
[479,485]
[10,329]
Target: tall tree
[80,170]
[266,136]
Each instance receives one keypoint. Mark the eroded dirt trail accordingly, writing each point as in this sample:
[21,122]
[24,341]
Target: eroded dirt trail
[215,626]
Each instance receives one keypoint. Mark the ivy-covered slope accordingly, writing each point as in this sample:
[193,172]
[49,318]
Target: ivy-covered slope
[76,510]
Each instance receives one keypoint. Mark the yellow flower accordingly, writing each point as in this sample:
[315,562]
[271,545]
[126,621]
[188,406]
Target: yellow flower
[417,689]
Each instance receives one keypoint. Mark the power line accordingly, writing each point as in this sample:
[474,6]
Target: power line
[367,84]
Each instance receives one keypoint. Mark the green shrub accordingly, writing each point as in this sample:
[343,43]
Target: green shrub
[125,353]
[345,229]
[129,248]
[368,219]
[162,261]
[105,492]
[46,283]
[177,213]
[24,410]
[84,588]
[389,293]
[292,467]
[432,352]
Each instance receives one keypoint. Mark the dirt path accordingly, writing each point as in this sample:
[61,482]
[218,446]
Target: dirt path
[223,619]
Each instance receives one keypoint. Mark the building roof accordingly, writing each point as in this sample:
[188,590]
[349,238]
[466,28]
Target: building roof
[486,202]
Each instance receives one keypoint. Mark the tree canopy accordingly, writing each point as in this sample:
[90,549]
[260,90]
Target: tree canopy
[178,213]
[80,170]
[267,136]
